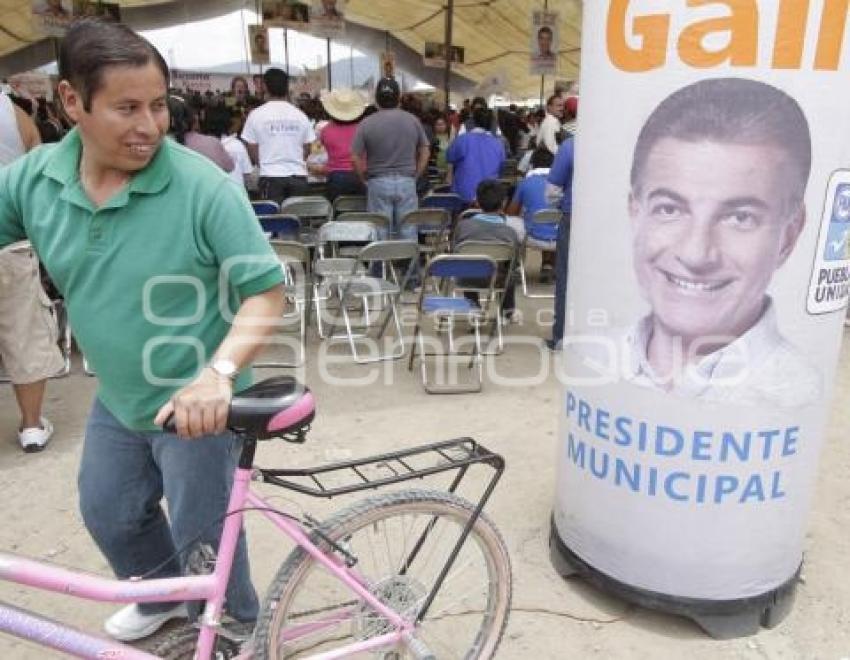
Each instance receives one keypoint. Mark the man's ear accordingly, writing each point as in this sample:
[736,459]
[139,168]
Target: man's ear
[790,233]
[72,101]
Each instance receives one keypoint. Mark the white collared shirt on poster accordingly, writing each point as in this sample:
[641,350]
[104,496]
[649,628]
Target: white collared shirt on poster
[759,368]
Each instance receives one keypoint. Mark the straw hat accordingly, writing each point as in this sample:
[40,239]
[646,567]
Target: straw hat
[344,104]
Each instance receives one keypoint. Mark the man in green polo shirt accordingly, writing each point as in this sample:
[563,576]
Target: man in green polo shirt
[171,289]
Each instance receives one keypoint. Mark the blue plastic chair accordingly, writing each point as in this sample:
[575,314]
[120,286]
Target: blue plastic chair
[443,274]
[265,207]
[281,226]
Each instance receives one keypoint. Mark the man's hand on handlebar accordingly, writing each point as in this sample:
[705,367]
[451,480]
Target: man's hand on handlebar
[201,407]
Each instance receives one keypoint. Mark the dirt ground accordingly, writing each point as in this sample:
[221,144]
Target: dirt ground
[551,618]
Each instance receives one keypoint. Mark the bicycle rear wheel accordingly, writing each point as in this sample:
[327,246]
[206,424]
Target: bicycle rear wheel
[308,611]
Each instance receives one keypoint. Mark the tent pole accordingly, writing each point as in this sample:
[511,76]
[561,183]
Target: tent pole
[543,76]
[330,82]
[286,49]
[447,73]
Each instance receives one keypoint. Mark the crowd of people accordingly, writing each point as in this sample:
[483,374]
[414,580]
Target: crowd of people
[110,157]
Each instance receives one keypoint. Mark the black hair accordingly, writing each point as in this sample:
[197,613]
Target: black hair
[91,46]
[731,111]
[277,82]
[545,30]
[490,195]
[181,117]
[542,157]
[482,118]
[218,120]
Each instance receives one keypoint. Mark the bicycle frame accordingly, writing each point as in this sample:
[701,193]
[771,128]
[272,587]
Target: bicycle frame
[211,588]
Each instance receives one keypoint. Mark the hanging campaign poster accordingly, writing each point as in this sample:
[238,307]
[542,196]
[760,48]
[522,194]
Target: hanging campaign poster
[52,17]
[327,19]
[705,320]
[387,63]
[107,11]
[258,43]
[544,42]
[435,54]
[286,13]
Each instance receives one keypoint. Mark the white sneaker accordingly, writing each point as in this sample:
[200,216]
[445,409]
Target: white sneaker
[129,624]
[36,438]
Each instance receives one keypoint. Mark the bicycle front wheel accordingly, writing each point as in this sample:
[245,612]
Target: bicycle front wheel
[401,542]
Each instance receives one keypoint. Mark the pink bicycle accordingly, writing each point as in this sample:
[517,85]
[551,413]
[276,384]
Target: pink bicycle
[408,574]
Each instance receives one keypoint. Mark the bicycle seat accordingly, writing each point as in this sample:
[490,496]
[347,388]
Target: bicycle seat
[272,408]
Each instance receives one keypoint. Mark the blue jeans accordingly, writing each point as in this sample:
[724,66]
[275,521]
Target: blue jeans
[562,255]
[123,476]
[394,196]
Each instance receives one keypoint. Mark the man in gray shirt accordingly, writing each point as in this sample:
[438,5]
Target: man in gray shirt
[389,152]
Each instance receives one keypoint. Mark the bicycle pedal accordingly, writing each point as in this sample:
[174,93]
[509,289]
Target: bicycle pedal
[201,560]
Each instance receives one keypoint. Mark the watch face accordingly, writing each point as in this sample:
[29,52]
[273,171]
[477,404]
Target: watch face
[224,367]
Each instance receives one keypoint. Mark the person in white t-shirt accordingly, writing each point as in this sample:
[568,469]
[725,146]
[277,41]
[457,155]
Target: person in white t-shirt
[226,125]
[551,125]
[278,136]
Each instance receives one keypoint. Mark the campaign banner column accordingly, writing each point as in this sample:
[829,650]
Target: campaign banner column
[709,276]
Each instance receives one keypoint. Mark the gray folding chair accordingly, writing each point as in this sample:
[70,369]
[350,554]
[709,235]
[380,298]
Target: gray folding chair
[392,257]
[546,217]
[504,255]
[330,268]
[295,262]
[437,302]
[313,211]
[349,203]
[379,220]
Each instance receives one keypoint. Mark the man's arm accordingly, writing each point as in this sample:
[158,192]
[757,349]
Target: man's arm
[27,128]
[358,162]
[201,407]
[422,161]
[253,152]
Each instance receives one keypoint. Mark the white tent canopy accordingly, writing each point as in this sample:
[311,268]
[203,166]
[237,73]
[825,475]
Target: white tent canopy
[494,33]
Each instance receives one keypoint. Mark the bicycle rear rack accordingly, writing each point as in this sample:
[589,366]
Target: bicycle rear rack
[382,470]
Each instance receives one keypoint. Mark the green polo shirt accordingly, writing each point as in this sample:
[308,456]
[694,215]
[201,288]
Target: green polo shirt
[152,278]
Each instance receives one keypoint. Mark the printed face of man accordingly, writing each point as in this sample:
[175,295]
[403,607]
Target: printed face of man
[544,43]
[712,222]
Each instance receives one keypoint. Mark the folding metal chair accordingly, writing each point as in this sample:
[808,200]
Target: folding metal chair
[295,262]
[448,200]
[329,268]
[392,256]
[436,303]
[349,203]
[504,254]
[265,207]
[281,226]
[545,219]
[312,210]
[381,221]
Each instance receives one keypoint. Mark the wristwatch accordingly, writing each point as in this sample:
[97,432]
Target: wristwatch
[225,368]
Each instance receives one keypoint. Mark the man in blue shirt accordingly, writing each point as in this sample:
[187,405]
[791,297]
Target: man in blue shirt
[529,198]
[476,156]
[561,176]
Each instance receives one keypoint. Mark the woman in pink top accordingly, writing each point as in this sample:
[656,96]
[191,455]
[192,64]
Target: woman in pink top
[184,128]
[345,108]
